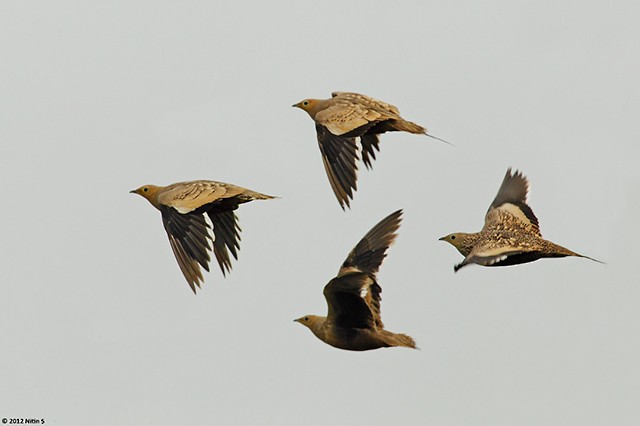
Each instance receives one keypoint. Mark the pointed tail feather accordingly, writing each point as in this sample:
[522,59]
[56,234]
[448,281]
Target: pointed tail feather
[557,250]
[590,258]
[437,138]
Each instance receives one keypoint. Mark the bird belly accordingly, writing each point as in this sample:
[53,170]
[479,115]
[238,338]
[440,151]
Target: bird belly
[354,339]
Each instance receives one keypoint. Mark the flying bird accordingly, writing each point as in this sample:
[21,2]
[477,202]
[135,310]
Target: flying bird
[342,119]
[183,206]
[353,297]
[511,233]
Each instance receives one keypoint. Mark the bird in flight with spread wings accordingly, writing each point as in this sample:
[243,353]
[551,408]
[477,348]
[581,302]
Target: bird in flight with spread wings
[183,206]
[511,233]
[353,321]
[342,119]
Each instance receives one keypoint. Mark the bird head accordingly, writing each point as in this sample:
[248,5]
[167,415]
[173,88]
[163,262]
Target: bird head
[460,241]
[311,106]
[149,192]
[313,322]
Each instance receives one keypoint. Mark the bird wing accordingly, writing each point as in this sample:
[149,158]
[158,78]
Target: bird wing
[188,235]
[368,254]
[226,234]
[344,116]
[188,196]
[188,266]
[339,156]
[366,101]
[509,210]
[353,296]
[353,301]
[370,145]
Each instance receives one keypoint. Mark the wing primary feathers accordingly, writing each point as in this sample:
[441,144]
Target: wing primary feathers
[368,254]
[510,204]
[370,144]
[187,265]
[191,231]
[227,236]
[339,156]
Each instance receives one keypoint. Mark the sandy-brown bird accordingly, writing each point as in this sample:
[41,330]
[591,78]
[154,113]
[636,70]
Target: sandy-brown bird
[511,233]
[339,121]
[353,297]
[183,206]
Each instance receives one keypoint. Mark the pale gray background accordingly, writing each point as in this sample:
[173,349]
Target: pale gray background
[98,326]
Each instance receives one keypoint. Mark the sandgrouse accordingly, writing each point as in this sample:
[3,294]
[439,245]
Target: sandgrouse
[339,121]
[353,321]
[183,206]
[511,233]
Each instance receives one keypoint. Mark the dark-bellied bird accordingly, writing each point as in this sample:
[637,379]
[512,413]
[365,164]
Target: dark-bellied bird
[353,321]
[183,206]
[511,233]
[339,121]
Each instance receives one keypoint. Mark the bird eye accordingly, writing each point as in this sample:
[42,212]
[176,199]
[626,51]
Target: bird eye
[305,103]
[145,189]
[453,237]
[306,318]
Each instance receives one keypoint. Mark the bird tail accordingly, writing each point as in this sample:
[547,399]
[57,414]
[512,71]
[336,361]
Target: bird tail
[258,196]
[408,126]
[438,139]
[590,258]
[397,339]
[559,251]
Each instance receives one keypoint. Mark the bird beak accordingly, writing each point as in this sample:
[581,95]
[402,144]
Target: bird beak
[296,320]
[294,105]
[441,239]
[133,191]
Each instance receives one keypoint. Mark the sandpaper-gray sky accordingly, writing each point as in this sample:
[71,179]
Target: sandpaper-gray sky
[98,326]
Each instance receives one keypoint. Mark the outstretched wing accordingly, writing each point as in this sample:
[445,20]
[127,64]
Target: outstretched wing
[189,238]
[370,144]
[339,156]
[509,210]
[226,237]
[353,297]
[368,254]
